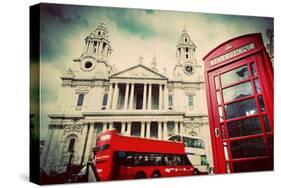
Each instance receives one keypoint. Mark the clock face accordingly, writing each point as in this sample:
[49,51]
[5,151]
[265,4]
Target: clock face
[188,69]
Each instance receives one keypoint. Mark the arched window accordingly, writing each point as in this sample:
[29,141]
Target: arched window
[71,145]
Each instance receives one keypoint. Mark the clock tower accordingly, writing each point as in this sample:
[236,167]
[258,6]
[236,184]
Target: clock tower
[186,68]
[96,55]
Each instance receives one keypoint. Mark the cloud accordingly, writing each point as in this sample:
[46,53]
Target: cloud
[58,22]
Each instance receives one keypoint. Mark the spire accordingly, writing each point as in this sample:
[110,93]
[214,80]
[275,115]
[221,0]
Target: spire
[101,31]
[154,63]
[185,47]
[97,44]
[140,60]
[184,38]
[184,29]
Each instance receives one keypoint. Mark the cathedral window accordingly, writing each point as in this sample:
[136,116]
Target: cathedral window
[103,46]
[186,49]
[71,145]
[186,56]
[190,100]
[80,99]
[104,101]
[170,100]
[88,64]
[185,39]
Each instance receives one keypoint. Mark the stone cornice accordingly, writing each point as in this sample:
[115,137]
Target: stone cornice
[139,65]
[132,113]
[66,116]
[183,82]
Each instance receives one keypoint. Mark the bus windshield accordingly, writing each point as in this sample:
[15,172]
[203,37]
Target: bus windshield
[189,141]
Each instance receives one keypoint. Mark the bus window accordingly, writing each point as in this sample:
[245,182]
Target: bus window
[175,160]
[101,148]
[194,143]
[204,161]
[176,138]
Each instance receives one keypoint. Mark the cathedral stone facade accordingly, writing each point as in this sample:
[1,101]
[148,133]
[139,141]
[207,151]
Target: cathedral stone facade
[138,101]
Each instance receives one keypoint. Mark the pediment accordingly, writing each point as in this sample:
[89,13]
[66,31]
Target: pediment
[138,71]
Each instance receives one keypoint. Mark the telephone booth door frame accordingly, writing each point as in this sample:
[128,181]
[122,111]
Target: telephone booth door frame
[239,90]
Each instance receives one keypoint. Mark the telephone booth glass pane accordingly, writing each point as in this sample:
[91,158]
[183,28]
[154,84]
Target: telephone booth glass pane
[257,86]
[252,147]
[253,70]
[218,97]
[237,91]
[251,165]
[220,114]
[235,76]
[262,107]
[244,127]
[242,108]
[266,123]
[217,82]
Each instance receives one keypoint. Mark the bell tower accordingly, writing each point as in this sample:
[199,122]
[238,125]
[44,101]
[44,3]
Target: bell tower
[186,64]
[97,51]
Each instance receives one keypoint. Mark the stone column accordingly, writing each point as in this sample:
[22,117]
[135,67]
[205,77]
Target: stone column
[129,124]
[110,125]
[165,97]
[104,127]
[89,145]
[126,97]
[123,126]
[132,96]
[176,127]
[142,129]
[181,129]
[148,125]
[149,96]
[108,105]
[115,97]
[165,131]
[159,135]
[160,97]
[144,97]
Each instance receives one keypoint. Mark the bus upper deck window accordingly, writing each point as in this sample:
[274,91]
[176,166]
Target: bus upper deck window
[104,147]
[105,137]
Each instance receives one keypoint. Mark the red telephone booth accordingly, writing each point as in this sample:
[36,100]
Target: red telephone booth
[239,86]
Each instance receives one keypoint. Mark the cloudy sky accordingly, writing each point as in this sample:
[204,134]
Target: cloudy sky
[132,33]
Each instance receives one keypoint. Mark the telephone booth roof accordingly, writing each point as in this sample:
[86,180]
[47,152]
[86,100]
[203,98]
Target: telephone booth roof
[230,46]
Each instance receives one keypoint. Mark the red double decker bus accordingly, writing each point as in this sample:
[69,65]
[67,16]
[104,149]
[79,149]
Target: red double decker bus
[123,157]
